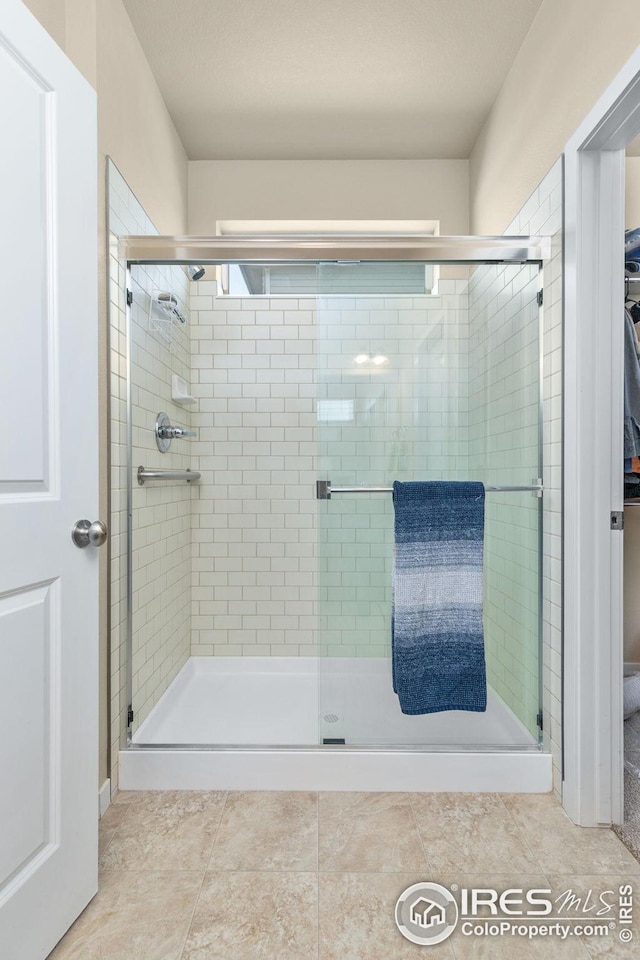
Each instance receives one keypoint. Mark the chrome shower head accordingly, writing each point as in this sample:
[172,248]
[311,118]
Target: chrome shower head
[168,303]
[195,271]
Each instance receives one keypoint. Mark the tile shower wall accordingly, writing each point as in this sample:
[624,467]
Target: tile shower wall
[494,297]
[162,513]
[254,536]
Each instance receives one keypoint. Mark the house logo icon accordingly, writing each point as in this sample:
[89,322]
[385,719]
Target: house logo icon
[426,913]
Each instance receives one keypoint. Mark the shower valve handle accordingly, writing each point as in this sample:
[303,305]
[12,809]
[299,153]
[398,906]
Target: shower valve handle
[166,432]
[173,433]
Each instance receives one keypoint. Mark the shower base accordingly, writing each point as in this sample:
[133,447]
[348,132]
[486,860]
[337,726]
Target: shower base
[259,722]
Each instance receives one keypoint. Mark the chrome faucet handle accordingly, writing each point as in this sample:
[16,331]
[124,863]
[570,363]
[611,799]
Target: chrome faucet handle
[174,433]
[166,432]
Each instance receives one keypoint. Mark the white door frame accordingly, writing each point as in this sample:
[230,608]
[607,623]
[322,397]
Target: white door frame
[593,451]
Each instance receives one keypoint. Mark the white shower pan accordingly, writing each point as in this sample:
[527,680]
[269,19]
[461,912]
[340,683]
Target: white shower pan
[252,723]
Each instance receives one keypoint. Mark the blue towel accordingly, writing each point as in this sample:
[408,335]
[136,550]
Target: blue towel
[437,636]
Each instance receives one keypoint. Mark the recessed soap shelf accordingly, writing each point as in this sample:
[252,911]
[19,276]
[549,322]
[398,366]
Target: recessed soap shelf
[180,391]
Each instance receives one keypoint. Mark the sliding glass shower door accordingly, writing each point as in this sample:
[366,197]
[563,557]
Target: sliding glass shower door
[425,377]
[259,614]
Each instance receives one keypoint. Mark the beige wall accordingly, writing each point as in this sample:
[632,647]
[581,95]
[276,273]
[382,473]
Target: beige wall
[134,126]
[52,15]
[135,129]
[329,189]
[571,53]
[72,24]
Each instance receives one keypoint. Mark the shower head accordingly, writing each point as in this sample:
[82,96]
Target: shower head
[195,271]
[168,303]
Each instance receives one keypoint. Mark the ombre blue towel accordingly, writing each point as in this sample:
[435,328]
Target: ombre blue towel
[437,636]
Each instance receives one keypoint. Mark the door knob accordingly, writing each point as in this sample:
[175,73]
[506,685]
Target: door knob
[85,533]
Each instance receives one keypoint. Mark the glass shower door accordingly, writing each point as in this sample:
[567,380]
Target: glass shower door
[426,379]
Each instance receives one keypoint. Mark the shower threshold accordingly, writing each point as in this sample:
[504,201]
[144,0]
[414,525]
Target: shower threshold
[260,723]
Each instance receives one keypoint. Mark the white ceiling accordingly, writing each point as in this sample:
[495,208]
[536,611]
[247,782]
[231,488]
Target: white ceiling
[330,79]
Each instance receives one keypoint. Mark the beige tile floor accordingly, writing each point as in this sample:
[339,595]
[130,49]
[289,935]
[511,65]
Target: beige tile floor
[291,876]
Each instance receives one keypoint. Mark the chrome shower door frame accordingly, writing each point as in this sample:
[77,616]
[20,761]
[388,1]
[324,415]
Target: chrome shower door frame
[218,251]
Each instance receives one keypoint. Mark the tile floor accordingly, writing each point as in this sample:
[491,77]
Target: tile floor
[291,876]
[629,831]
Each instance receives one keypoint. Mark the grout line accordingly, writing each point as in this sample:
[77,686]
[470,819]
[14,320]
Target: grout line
[415,820]
[454,952]
[521,834]
[318,870]
[195,904]
[215,836]
[204,874]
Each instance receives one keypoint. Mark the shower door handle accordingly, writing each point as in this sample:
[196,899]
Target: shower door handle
[85,533]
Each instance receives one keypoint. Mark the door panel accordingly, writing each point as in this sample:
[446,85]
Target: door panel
[29,633]
[48,481]
[23,252]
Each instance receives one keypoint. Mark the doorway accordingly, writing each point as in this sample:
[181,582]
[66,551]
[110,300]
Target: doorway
[593,414]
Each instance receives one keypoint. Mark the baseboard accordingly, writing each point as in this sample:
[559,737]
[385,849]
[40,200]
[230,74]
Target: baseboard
[104,798]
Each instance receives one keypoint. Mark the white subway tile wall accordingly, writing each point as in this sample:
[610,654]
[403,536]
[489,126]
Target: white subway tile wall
[254,537]
[161,512]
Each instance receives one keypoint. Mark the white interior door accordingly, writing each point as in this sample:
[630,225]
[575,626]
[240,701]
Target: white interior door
[48,481]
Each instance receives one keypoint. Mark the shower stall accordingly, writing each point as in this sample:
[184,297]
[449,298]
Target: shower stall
[268,407]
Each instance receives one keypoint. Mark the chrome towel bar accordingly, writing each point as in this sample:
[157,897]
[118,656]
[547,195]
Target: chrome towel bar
[324,490]
[188,475]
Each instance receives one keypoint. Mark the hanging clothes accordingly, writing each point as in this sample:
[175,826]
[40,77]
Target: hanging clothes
[631,390]
[632,250]
[635,316]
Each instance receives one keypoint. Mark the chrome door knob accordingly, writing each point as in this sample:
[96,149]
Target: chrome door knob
[85,533]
